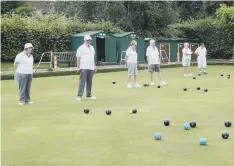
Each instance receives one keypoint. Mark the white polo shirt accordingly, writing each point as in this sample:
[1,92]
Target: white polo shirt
[131,55]
[153,55]
[24,63]
[186,53]
[86,55]
[201,52]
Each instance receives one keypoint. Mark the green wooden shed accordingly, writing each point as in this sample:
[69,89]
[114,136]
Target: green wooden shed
[172,48]
[103,43]
[123,41]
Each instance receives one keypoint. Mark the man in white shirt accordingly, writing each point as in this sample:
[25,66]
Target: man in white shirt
[131,63]
[86,66]
[201,58]
[186,59]
[24,73]
[153,60]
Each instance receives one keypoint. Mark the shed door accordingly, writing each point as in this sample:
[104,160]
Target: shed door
[165,52]
[111,54]
[193,48]
[180,48]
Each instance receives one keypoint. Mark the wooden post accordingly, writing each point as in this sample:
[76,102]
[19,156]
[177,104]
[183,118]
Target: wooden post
[55,62]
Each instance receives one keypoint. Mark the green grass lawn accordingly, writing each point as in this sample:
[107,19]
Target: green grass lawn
[54,131]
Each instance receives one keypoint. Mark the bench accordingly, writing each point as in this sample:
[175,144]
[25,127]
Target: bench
[66,57]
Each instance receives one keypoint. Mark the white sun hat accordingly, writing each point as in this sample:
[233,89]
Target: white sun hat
[87,37]
[28,45]
[152,41]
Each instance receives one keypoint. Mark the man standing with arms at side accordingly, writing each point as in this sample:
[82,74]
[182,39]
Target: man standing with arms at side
[86,66]
[153,59]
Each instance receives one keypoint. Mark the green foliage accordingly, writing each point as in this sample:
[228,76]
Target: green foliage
[226,14]
[211,31]
[8,6]
[25,10]
[46,32]
[145,18]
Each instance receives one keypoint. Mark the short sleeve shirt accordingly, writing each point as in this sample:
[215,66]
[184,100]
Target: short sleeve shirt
[86,55]
[153,54]
[24,63]
[131,55]
[201,52]
[186,53]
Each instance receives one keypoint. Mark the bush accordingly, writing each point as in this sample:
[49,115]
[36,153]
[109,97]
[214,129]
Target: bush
[46,32]
[25,10]
[217,33]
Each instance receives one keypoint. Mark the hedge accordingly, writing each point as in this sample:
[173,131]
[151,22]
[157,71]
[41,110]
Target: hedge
[65,73]
[216,32]
[49,32]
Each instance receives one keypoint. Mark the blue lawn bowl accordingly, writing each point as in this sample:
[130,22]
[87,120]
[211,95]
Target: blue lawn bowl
[157,136]
[186,126]
[202,141]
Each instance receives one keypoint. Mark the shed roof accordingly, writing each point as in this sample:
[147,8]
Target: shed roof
[86,33]
[122,34]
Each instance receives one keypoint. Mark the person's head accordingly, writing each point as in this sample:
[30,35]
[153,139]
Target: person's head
[133,44]
[28,47]
[202,45]
[87,40]
[186,45]
[152,42]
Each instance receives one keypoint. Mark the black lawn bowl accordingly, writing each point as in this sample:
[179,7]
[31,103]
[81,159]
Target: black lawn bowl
[159,86]
[221,75]
[86,110]
[225,135]
[228,123]
[199,74]
[134,111]
[108,112]
[228,77]
[198,88]
[49,69]
[205,90]
[193,124]
[194,78]
[185,89]
[145,85]
[167,122]
[113,82]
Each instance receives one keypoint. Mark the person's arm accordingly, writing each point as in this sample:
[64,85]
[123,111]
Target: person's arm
[78,55]
[95,68]
[197,50]
[17,60]
[147,55]
[126,57]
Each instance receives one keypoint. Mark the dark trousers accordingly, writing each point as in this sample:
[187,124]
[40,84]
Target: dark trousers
[86,77]
[25,81]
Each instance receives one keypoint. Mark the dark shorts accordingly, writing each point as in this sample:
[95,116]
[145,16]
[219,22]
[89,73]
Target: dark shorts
[154,68]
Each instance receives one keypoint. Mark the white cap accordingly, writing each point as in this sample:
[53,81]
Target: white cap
[28,45]
[152,41]
[87,37]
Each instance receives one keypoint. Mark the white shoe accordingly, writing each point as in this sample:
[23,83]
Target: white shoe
[162,83]
[190,75]
[129,85]
[185,75]
[137,85]
[20,103]
[78,98]
[152,83]
[29,102]
[91,98]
